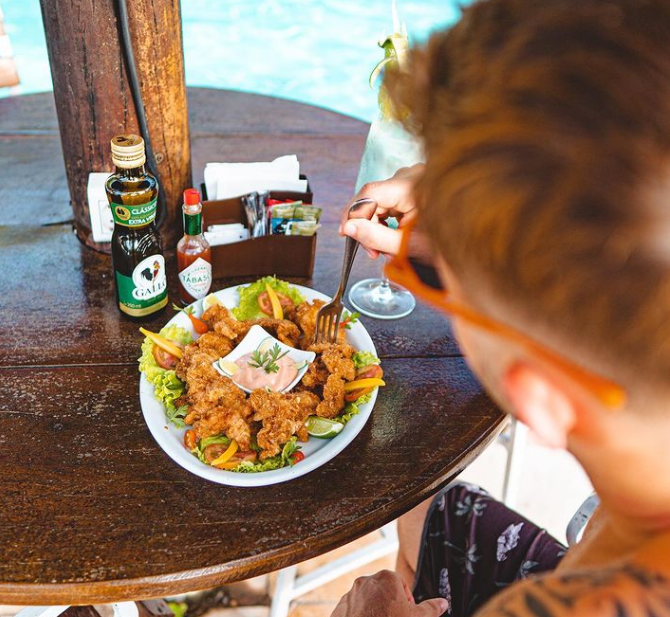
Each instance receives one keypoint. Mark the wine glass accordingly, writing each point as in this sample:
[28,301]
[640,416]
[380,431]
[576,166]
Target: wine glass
[388,148]
[381,299]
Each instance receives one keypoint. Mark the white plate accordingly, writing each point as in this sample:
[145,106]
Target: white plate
[317,451]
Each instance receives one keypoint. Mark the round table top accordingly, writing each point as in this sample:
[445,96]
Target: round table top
[93,510]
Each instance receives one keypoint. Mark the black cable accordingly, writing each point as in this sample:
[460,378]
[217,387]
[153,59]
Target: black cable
[129,57]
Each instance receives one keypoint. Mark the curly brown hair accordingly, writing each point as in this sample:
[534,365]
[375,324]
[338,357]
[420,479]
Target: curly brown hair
[547,133]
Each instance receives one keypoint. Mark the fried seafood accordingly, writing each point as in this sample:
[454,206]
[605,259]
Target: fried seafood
[282,415]
[305,316]
[221,320]
[331,359]
[286,331]
[218,406]
[210,347]
[333,398]
[336,357]
[315,377]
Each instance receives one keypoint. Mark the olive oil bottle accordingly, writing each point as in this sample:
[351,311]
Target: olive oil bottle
[137,255]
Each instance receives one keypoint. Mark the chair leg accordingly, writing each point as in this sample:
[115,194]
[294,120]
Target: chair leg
[126,609]
[290,585]
[284,592]
[578,522]
[516,446]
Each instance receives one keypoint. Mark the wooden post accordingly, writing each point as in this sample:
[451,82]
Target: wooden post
[94,101]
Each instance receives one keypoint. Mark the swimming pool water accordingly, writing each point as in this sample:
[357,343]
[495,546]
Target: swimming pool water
[316,51]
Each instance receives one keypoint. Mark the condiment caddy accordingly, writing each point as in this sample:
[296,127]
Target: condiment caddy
[283,255]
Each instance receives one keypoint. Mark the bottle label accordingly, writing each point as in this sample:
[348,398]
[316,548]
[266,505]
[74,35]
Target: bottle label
[134,216]
[197,278]
[193,224]
[146,290]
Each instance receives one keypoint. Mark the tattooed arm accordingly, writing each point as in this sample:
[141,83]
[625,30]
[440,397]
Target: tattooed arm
[627,591]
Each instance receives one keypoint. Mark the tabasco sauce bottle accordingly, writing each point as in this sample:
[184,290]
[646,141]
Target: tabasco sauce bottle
[139,266]
[194,256]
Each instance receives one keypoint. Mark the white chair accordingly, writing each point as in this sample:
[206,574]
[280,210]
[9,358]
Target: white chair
[121,609]
[578,522]
[289,585]
[514,439]
[42,611]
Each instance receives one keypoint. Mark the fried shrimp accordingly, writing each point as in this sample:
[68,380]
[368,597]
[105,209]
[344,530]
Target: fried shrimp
[305,317]
[282,416]
[333,398]
[216,405]
[286,331]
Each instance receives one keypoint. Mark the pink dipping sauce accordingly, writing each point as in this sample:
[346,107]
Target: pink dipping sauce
[253,378]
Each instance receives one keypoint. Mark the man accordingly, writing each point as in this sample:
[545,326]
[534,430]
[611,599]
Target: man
[545,198]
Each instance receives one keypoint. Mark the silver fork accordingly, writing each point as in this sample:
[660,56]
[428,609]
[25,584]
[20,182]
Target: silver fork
[329,315]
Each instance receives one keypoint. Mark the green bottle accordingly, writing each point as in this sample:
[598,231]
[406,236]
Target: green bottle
[137,255]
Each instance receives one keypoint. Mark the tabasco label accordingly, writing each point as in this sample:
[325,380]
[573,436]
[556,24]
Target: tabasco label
[197,278]
[146,290]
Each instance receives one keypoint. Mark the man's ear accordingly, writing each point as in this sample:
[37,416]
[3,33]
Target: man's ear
[540,403]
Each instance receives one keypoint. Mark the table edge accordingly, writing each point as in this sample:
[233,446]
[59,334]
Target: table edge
[145,588]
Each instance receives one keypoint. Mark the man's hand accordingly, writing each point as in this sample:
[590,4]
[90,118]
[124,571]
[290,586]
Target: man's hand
[385,594]
[394,198]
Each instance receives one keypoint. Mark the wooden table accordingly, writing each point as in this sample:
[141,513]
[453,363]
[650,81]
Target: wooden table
[93,510]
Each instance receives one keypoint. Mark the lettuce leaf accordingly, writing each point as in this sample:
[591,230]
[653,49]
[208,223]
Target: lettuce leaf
[364,358]
[248,307]
[275,462]
[177,334]
[199,450]
[176,415]
[352,409]
[167,386]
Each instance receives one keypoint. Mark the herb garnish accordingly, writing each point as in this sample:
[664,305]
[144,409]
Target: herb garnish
[267,360]
[349,318]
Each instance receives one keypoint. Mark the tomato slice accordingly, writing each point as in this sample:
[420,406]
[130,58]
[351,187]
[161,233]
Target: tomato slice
[371,371]
[163,358]
[244,455]
[266,306]
[297,457]
[189,439]
[214,451]
[354,395]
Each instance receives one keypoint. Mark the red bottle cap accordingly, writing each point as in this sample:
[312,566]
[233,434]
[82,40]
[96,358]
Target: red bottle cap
[191,197]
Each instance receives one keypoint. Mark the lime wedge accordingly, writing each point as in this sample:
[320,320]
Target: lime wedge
[377,71]
[228,367]
[322,427]
[266,344]
[209,301]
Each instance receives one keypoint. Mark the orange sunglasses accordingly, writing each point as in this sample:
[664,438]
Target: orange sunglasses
[401,270]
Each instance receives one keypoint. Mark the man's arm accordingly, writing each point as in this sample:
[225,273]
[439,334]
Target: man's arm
[628,591]
[385,595]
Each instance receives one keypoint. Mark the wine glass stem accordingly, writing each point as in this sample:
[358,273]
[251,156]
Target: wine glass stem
[384,293]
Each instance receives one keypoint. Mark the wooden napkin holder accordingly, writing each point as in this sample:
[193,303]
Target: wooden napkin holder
[273,254]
